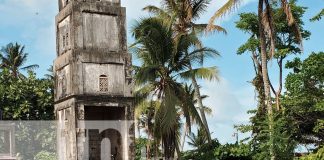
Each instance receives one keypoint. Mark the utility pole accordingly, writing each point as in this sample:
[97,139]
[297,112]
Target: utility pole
[236,136]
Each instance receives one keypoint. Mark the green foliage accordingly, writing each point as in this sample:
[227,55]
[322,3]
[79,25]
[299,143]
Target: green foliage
[27,98]
[164,61]
[198,140]
[304,98]
[44,155]
[216,151]
[13,58]
[284,132]
[286,42]
[318,16]
[206,151]
[233,151]
[140,143]
[319,155]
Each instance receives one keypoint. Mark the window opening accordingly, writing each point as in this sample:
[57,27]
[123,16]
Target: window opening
[103,83]
[63,41]
[67,39]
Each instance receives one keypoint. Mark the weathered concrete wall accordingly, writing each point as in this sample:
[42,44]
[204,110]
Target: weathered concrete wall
[63,83]
[63,3]
[64,38]
[66,133]
[110,19]
[91,42]
[80,75]
[116,79]
[104,31]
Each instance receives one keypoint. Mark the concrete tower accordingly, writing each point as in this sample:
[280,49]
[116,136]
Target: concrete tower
[93,83]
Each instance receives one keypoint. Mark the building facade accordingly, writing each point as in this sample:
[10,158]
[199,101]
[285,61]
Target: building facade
[93,82]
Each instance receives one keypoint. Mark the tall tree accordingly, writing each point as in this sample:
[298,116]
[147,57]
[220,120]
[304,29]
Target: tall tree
[182,16]
[13,57]
[29,98]
[304,99]
[198,140]
[266,36]
[165,60]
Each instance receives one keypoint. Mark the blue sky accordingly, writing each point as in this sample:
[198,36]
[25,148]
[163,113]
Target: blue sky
[31,22]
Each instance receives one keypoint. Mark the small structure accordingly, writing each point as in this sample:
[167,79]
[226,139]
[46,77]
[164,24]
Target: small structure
[93,81]
[7,141]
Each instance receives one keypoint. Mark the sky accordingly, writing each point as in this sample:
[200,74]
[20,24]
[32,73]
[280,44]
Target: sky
[31,23]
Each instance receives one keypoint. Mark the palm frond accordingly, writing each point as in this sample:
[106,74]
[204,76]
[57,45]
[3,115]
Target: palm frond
[142,93]
[201,54]
[229,7]
[318,16]
[30,67]
[146,74]
[157,11]
[291,21]
[199,7]
[208,73]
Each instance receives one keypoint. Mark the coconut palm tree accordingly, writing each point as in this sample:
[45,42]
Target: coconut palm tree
[165,61]
[192,100]
[198,140]
[182,15]
[13,57]
[144,114]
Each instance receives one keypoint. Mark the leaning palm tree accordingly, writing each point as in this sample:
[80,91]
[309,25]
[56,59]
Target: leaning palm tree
[13,58]
[193,100]
[165,61]
[182,16]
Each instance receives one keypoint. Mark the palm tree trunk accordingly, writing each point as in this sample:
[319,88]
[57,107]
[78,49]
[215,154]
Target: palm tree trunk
[200,105]
[148,145]
[184,136]
[278,93]
[177,153]
[266,83]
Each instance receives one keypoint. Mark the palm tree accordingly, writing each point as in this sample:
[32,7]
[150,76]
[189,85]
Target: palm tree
[144,114]
[50,75]
[182,14]
[164,61]
[191,93]
[197,140]
[13,58]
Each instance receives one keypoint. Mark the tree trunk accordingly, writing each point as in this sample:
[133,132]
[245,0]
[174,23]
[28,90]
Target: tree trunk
[184,136]
[278,93]
[148,145]
[200,105]
[266,83]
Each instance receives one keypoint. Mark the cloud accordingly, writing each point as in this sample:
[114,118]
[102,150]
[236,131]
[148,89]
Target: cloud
[229,107]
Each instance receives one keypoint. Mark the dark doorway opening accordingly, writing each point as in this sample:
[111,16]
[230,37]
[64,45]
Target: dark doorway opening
[104,113]
[96,146]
